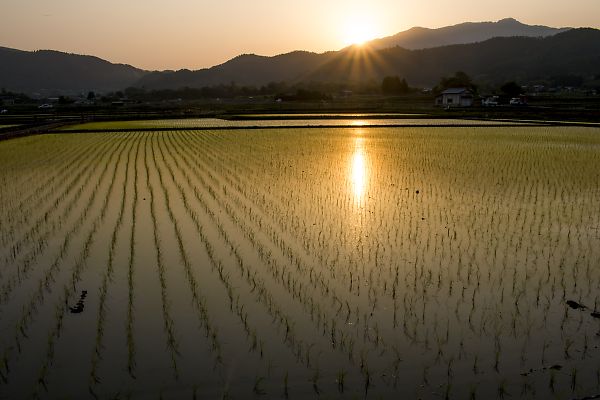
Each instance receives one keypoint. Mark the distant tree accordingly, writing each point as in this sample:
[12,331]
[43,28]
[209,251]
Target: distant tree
[135,93]
[64,100]
[511,89]
[459,80]
[276,87]
[394,85]
[91,96]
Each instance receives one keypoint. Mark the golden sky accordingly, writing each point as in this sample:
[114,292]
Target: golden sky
[175,34]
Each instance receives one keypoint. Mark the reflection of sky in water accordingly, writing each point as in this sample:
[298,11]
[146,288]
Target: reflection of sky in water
[358,171]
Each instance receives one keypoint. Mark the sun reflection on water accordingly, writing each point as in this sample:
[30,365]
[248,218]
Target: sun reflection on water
[358,171]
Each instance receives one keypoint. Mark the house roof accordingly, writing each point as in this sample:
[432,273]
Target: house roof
[456,91]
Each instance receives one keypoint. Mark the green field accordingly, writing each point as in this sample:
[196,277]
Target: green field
[302,263]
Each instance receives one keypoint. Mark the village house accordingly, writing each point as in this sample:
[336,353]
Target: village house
[455,97]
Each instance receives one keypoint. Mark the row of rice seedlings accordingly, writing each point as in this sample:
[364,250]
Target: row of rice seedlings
[198,299]
[294,286]
[235,306]
[108,277]
[296,289]
[315,275]
[18,217]
[303,239]
[47,282]
[259,290]
[264,257]
[252,279]
[239,309]
[333,323]
[26,181]
[37,236]
[69,288]
[334,334]
[169,327]
[20,276]
[213,194]
[263,202]
[274,214]
[31,206]
[276,240]
[252,218]
[131,270]
[23,269]
[415,266]
[263,196]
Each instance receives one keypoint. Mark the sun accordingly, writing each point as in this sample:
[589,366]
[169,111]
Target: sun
[358,30]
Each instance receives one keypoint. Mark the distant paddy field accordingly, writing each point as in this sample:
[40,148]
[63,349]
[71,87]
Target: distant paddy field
[263,121]
[333,262]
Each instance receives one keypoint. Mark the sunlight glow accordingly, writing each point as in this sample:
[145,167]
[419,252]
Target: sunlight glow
[359,29]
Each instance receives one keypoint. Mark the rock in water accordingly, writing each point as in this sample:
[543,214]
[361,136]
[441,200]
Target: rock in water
[575,305]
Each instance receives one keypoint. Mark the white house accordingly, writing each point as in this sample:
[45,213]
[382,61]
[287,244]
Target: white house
[455,97]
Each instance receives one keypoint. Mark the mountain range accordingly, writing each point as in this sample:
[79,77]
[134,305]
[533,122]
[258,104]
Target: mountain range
[469,32]
[490,52]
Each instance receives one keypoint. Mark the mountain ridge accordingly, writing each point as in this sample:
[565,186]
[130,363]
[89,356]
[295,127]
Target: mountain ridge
[467,32]
[574,52]
[69,73]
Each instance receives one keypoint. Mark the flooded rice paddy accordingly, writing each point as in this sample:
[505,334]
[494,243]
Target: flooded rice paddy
[289,263]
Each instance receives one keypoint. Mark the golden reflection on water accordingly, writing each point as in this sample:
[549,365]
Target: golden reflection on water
[358,171]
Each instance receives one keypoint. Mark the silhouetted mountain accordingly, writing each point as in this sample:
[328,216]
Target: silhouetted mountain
[574,52]
[53,72]
[247,69]
[468,32]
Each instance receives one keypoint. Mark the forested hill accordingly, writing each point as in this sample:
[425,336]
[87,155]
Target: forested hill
[47,71]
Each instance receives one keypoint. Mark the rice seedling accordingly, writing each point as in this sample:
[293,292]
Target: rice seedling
[257,388]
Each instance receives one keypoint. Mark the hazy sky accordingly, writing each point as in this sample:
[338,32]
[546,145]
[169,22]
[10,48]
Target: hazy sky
[174,34]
